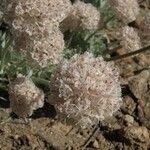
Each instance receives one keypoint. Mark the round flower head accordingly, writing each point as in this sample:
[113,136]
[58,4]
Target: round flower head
[27,16]
[41,51]
[83,16]
[35,26]
[86,89]
[125,10]
[59,9]
[130,39]
[25,97]
[47,49]
[144,26]
[32,16]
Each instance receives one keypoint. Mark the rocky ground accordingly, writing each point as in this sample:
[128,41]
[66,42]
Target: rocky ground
[128,129]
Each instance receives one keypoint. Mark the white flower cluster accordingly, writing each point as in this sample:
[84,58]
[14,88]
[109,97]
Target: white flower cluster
[86,89]
[128,11]
[25,97]
[48,49]
[125,10]
[130,39]
[82,16]
[36,16]
[35,25]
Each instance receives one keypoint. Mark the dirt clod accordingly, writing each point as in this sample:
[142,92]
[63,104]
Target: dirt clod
[136,134]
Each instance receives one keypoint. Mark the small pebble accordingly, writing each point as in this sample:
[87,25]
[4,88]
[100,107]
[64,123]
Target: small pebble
[96,144]
[129,119]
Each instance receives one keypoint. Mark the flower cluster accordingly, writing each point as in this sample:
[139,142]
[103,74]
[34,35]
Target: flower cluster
[25,97]
[36,16]
[82,16]
[130,39]
[86,89]
[35,25]
[48,49]
[125,10]
[144,25]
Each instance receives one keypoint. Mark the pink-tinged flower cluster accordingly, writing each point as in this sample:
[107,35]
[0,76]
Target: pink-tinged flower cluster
[86,89]
[33,16]
[25,97]
[130,39]
[82,16]
[125,10]
[35,26]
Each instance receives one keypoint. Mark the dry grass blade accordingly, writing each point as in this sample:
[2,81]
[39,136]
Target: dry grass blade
[129,54]
[94,132]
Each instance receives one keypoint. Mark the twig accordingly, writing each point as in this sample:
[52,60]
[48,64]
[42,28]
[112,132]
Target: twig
[129,54]
[69,131]
[96,129]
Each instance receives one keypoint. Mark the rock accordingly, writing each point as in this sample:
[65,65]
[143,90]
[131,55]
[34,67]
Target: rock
[69,148]
[143,59]
[128,105]
[95,144]
[112,122]
[144,113]
[139,84]
[126,66]
[136,134]
[104,144]
[129,120]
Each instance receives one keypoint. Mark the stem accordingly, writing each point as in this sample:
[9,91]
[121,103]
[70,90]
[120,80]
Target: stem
[91,35]
[94,132]
[129,54]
